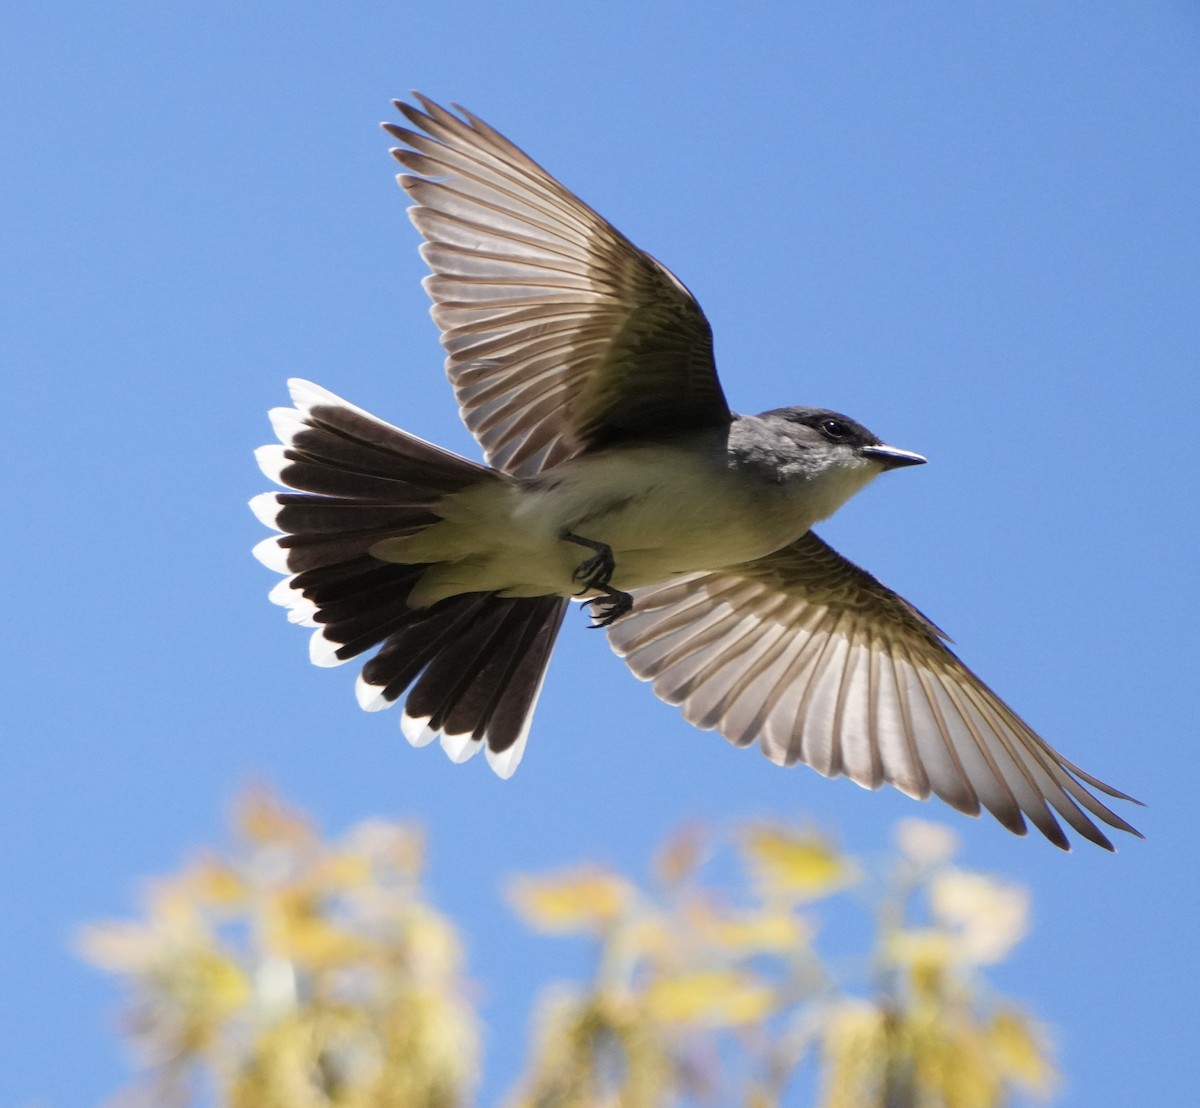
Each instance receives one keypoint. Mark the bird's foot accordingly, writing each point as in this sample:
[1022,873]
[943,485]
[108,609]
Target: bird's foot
[609,608]
[594,572]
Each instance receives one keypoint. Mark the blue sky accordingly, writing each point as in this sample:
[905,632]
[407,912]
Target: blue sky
[973,227]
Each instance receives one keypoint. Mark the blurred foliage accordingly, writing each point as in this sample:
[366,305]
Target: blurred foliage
[711,993]
[293,972]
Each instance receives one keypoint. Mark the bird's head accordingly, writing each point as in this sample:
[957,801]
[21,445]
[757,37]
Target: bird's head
[831,452]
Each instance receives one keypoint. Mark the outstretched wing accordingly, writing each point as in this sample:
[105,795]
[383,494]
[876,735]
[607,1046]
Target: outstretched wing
[561,335]
[822,664]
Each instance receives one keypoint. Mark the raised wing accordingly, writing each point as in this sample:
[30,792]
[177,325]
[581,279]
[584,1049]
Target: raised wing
[561,335]
[824,665]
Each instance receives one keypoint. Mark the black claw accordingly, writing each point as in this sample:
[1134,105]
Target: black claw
[609,608]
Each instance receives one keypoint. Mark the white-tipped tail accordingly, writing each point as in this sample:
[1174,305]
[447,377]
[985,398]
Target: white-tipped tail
[461,748]
[417,730]
[474,661]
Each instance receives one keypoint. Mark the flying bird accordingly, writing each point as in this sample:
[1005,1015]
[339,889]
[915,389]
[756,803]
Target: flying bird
[617,474]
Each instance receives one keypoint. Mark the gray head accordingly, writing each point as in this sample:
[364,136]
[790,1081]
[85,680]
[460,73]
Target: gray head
[825,456]
[838,438]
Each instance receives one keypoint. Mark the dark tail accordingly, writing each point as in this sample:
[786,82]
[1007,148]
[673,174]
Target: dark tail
[473,663]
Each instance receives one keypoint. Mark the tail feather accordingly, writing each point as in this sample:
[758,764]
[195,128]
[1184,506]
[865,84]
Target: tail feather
[475,664]
[295,469]
[297,553]
[511,674]
[303,514]
[411,648]
[326,417]
[472,664]
[330,584]
[460,688]
[346,614]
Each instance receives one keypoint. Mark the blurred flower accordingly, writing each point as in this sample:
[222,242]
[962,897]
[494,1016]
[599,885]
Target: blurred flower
[854,1050]
[1020,1054]
[799,864]
[987,917]
[261,817]
[924,842]
[583,899]
[926,953]
[710,998]
[680,856]
[773,930]
[297,972]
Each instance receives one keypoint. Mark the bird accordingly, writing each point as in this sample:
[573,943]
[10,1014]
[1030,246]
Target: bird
[615,473]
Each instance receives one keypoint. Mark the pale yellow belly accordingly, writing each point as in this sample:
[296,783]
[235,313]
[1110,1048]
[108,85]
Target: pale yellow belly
[662,516]
[660,521]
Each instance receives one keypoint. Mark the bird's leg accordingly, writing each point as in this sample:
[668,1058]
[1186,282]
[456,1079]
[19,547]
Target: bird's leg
[594,574]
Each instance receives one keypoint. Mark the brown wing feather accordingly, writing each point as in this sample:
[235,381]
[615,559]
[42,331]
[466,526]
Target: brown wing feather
[824,665]
[561,335]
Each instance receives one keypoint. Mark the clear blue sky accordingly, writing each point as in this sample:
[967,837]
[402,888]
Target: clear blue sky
[971,226]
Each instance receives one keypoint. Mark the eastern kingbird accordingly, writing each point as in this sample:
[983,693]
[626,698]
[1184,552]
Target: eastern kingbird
[618,474]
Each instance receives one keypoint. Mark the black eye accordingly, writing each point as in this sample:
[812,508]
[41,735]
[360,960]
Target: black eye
[835,429]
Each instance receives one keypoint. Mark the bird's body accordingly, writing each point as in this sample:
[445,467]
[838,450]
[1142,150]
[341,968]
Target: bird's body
[665,509]
[617,473]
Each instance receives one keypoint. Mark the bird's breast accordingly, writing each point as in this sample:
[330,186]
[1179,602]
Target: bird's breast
[664,511]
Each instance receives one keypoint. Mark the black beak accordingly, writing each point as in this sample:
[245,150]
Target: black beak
[891,457]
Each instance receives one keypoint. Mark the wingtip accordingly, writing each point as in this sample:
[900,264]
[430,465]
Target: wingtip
[1065,844]
[399,133]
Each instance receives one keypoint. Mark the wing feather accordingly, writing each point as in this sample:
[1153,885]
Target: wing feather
[822,664]
[561,336]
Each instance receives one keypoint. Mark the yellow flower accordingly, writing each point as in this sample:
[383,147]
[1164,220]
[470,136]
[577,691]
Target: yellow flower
[800,864]
[297,927]
[214,882]
[261,817]
[1021,1057]
[855,1050]
[710,998]
[583,899]
[927,954]
[777,932]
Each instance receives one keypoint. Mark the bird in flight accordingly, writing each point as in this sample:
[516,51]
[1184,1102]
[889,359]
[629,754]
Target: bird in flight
[617,473]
